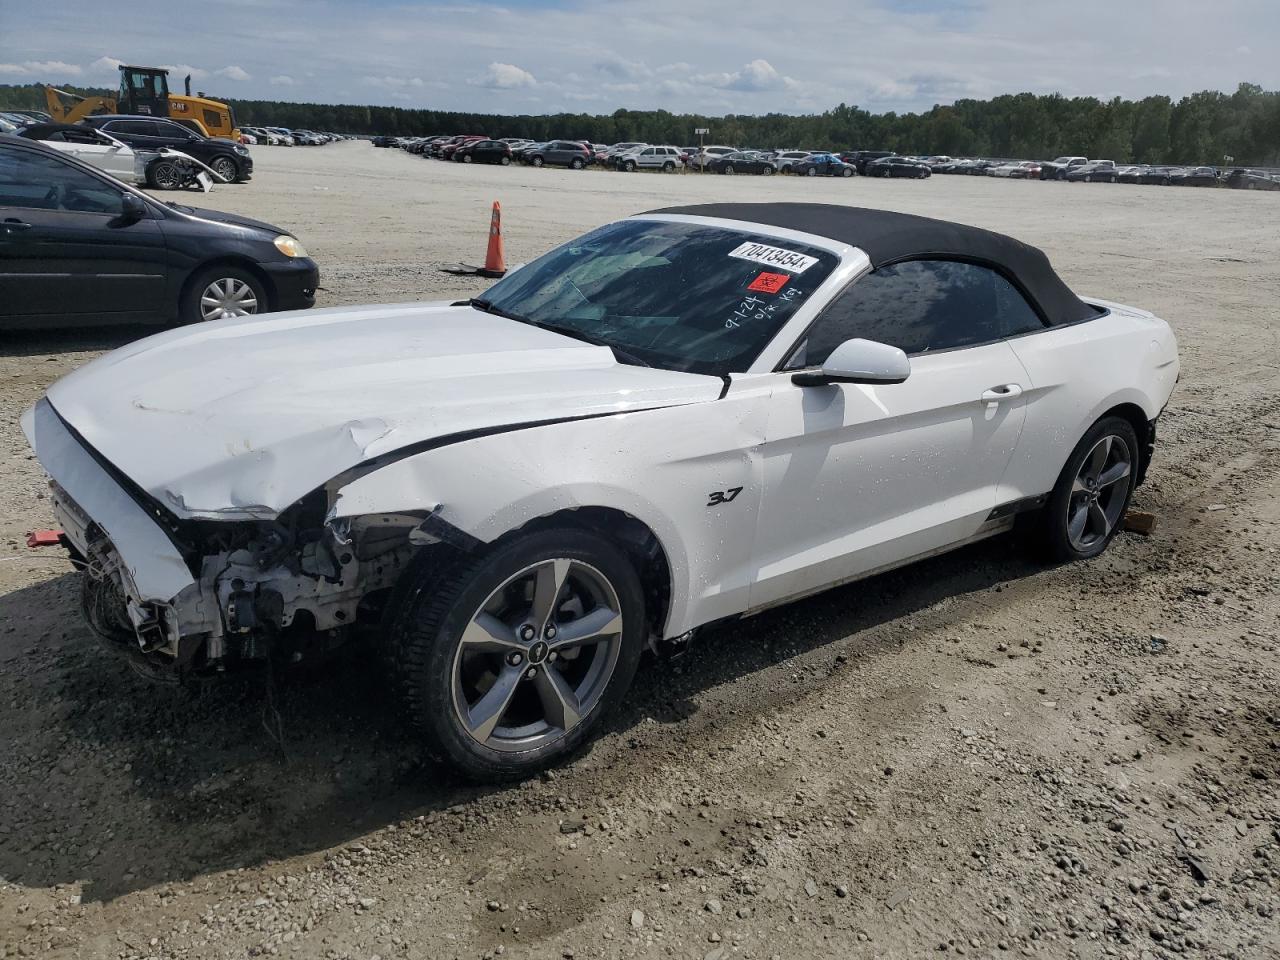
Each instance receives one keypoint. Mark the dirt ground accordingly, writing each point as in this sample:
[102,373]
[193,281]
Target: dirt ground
[976,756]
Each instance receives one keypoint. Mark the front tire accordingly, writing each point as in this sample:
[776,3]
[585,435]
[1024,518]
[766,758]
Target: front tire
[226,168]
[1091,496]
[811,172]
[466,158]
[509,662]
[846,172]
[222,292]
[537,161]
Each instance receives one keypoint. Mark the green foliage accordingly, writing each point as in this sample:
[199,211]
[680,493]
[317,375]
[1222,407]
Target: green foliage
[1205,127]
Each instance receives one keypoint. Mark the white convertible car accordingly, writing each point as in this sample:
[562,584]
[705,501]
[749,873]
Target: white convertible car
[682,417]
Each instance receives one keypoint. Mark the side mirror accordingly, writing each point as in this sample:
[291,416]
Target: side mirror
[858,361]
[132,209]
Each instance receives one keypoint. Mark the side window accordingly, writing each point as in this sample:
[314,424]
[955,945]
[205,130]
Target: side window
[176,130]
[137,128]
[921,306]
[34,181]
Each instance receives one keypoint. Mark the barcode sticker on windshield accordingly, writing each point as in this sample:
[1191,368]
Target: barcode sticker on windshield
[787,260]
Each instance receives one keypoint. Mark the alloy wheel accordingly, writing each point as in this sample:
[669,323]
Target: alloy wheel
[224,167]
[538,655]
[166,176]
[227,297]
[1099,492]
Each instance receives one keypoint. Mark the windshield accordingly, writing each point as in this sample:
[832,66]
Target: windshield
[679,296]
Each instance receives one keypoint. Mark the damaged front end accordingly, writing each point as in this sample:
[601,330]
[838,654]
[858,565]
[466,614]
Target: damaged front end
[294,589]
[187,597]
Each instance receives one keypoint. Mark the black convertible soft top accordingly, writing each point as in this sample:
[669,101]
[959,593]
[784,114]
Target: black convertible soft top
[889,237]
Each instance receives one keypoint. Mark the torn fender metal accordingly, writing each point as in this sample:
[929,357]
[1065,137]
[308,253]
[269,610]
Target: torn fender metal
[154,567]
[691,474]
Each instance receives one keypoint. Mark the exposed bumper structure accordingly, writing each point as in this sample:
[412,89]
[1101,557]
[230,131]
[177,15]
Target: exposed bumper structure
[155,569]
[175,606]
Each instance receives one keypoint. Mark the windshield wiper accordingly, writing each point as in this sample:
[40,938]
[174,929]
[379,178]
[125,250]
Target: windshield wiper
[576,334]
[562,329]
[487,306]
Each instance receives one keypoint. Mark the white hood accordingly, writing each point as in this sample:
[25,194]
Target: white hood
[240,418]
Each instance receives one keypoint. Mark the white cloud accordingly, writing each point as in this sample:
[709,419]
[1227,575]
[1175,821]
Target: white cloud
[41,69]
[504,76]
[755,77]
[178,71]
[106,65]
[393,83]
[282,80]
[233,72]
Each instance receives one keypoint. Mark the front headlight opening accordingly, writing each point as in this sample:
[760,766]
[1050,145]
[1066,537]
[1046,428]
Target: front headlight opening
[290,246]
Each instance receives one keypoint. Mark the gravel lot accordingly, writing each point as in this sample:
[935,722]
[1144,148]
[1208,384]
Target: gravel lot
[976,755]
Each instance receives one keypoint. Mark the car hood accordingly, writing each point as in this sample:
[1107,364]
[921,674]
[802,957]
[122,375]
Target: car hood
[237,419]
[221,216]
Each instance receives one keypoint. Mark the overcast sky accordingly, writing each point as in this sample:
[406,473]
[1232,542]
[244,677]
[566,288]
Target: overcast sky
[544,56]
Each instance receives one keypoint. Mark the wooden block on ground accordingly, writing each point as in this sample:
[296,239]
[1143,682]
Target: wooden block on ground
[1135,521]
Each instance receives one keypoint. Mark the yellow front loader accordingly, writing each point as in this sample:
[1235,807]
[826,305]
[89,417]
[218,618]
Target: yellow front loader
[145,90]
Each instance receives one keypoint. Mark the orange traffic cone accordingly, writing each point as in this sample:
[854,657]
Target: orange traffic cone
[495,263]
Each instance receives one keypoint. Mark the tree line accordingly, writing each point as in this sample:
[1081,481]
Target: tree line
[1206,127]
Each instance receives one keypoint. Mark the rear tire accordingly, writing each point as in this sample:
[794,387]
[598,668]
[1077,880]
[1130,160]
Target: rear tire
[577,164]
[811,172]
[165,175]
[1088,503]
[458,638]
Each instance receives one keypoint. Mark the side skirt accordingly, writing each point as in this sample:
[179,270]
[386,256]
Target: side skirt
[992,527]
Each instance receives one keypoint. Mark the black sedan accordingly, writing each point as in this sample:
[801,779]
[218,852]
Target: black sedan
[1241,179]
[231,160]
[78,247]
[823,165]
[743,161]
[898,167]
[484,151]
[1194,177]
[1158,176]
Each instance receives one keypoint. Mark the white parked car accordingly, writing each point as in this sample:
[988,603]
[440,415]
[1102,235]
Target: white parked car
[682,417]
[706,154]
[785,160]
[648,158]
[95,147]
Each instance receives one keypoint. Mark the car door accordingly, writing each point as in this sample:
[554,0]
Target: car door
[139,134]
[105,153]
[66,251]
[860,477]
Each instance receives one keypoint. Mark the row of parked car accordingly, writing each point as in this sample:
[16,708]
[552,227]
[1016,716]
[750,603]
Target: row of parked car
[1084,170]
[284,137]
[632,156]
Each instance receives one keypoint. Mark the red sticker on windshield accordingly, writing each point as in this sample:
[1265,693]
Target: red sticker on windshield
[769,282]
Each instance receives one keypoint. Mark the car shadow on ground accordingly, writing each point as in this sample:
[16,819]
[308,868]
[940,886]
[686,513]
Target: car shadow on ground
[125,784]
[45,342]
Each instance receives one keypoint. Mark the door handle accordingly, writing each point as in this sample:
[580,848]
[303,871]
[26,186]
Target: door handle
[13,223]
[1006,391]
